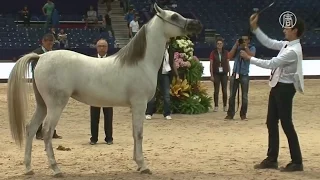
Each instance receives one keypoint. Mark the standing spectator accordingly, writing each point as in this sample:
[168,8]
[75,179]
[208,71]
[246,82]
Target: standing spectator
[108,24]
[108,4]
[220,72]
[55,18]
[125,5]
[47,10]
[25,16]
[129,17]
[134,26]
[47,44]
[165,74]
[102,49]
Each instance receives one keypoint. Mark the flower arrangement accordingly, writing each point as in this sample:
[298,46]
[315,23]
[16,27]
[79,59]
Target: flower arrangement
[188,94]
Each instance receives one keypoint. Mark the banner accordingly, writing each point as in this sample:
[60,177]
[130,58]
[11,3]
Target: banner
[310,68]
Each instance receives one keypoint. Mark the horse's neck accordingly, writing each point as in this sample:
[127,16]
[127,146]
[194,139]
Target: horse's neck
[155,44]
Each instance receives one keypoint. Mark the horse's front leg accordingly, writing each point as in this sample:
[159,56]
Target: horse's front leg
[138,115]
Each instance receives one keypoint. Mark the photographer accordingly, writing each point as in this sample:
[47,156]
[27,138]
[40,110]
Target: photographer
[240,75]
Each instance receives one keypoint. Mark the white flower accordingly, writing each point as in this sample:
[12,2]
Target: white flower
[196,98]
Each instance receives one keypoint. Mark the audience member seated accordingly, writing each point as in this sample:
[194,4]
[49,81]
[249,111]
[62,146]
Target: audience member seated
[63,39]
[91,16]
[25,15]
[55,35]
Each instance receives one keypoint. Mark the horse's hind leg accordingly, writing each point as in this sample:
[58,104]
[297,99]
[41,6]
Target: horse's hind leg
[54,111]
[31,130]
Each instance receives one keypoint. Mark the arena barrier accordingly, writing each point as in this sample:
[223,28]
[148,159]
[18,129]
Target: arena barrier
[310,70]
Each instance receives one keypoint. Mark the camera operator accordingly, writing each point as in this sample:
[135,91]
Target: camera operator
[240,75]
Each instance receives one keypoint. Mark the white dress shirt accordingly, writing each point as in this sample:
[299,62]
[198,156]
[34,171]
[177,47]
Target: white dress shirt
[102,56]
[166,65]
[44,49]
[287,66]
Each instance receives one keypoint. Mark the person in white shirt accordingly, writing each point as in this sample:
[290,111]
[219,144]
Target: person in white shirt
[91,16]
[134,26]
[286,78]
[165,74]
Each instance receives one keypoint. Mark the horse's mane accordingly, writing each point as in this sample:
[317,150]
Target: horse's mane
[135,50]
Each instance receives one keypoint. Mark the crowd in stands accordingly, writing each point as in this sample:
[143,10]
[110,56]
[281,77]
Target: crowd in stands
[90,19]
[53,16]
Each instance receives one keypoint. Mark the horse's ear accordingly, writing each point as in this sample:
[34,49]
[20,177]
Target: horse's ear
[157,8]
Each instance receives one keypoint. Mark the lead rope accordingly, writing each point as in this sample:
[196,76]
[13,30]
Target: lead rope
[238,90]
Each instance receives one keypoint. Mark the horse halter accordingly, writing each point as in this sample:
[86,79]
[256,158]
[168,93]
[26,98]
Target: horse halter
[178,25]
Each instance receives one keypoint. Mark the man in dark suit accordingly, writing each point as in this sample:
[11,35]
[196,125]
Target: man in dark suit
[47,44]
[102,49]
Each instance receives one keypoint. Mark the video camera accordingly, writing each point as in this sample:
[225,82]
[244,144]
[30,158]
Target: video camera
[240,40]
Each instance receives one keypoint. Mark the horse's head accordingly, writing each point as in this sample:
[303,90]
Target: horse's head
[177,25]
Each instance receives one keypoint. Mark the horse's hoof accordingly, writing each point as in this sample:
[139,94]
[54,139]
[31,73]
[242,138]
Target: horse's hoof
[58,175]
[29,173]
[146,171]
[139,168]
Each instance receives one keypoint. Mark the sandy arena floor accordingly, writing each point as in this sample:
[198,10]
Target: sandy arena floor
[188,147]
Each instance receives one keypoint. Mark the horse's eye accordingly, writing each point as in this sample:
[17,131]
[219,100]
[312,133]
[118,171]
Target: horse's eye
[174,17]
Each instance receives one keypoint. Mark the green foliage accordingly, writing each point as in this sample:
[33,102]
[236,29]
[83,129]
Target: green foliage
[191,69]
[194,73]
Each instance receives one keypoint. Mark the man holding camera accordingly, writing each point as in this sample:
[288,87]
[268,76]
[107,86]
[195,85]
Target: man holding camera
[240,75]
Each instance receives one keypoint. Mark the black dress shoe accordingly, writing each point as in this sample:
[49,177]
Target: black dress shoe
[109,142]
[39,136]
[243,117]
[291,167]
[93,142]
[56,136]
[228,117]
[267,164]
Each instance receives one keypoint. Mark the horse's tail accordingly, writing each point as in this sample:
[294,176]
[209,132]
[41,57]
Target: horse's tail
[17,96]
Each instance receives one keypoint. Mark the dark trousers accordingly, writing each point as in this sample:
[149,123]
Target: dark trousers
[26,21]
[39,132]
[95,117]
[243,81]
[280,107]
[222,79]
[164,82]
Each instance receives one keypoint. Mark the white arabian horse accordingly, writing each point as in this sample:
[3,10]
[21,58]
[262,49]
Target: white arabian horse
[127,78]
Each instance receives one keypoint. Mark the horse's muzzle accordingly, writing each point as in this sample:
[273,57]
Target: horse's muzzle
[194,26]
